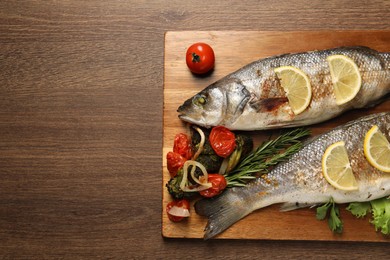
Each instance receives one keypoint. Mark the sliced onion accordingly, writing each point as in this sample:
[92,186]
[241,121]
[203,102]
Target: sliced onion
[204,171]
[201,143]
[185,176]
[203,185]
[179,212]
[198,188]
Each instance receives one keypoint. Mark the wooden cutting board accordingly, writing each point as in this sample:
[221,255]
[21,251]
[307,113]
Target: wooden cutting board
[233,50]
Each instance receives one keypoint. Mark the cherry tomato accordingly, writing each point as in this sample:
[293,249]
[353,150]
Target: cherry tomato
[222,140]
[178,203]
[174,162]
[218,183]
[200,58]
[182,146]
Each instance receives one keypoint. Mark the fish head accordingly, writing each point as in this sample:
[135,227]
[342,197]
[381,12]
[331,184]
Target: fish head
[218,104]
[205,108]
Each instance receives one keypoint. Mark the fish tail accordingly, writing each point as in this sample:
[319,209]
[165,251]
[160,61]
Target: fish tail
[222,212]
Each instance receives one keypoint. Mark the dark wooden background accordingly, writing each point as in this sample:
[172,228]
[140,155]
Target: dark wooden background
[81,93]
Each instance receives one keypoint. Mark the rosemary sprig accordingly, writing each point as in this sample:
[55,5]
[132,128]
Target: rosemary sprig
[268,154]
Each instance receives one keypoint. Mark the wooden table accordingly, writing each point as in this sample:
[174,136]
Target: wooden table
[81,124]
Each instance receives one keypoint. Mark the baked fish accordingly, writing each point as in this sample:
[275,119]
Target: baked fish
[299,182]
[252,97]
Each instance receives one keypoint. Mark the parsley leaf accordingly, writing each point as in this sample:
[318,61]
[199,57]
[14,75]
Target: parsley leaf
[334,221]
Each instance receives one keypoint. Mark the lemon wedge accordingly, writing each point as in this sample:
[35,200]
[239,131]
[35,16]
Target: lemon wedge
[297,86]
[377,149]
[336,167]
[346,78]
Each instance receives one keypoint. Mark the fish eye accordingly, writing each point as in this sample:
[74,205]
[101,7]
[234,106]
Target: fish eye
[199,100]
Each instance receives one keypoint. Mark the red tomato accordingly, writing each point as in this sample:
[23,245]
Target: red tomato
[178,203]
[174,162]
[222,140]
[182,146]
[218,183]
[200,58]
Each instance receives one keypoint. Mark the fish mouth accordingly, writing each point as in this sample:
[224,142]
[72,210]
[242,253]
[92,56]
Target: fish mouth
[182,112]
[188,114]
[181,109]
[184,117]
[187,119]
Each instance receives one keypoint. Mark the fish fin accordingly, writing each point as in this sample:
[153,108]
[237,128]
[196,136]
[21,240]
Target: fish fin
[288,206]
[268,104]
[222,212]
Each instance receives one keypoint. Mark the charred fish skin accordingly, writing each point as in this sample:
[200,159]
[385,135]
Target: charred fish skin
[299,181]
[252,98]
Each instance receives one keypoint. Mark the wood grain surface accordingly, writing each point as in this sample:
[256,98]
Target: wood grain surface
[248,46]
[81,123]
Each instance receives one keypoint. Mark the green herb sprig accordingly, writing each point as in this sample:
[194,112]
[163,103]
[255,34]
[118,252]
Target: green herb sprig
[268,154]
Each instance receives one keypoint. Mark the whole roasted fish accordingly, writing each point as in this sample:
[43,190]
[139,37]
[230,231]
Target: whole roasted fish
[299,182]
[253,99]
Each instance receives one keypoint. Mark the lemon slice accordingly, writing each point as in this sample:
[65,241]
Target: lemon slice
[346,78]
[337,168]
[377,149]
[297,87]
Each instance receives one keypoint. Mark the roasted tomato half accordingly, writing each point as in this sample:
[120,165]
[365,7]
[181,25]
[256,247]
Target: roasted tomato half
[222,140]
[218,183]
